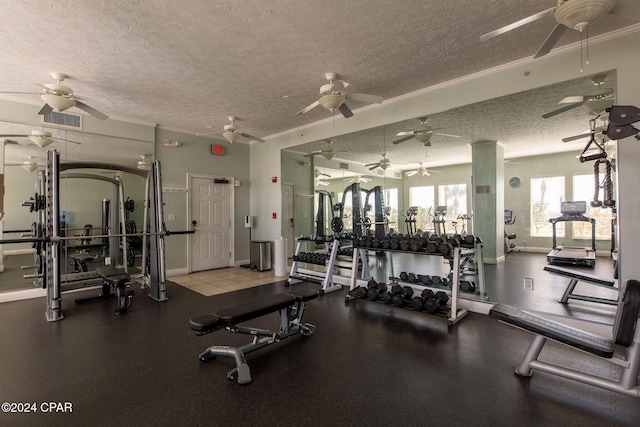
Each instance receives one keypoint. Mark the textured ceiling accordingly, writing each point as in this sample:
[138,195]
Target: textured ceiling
[187,64]
[515,121]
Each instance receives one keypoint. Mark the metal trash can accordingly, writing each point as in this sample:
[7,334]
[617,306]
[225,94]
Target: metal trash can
[260,255]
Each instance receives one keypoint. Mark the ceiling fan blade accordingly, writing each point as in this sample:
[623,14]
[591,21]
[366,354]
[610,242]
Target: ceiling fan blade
[346,111]
[575,137]
[375,166]
[408,132]
[411,173]
[46,109]
[66,140]
[253,138]
[313,153]
[447,134]
[207,133]
[363,97]
[561,110]
[551,40]
[629,9]
[13,135]
[406,138]
[95,113]
[517,24]
[308,108]
[571,99]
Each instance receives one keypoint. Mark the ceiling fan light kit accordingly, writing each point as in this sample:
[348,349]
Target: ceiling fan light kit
[578,14]
[58,102]
[41,138]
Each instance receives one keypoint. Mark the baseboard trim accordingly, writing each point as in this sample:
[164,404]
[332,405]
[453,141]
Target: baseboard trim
[241,262]
[22,294]
[177,272]
[17,251]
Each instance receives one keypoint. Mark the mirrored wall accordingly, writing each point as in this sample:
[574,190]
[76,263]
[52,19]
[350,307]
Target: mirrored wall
[82,193]
[427,162]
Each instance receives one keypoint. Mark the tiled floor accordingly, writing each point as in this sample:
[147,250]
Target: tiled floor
[220,281]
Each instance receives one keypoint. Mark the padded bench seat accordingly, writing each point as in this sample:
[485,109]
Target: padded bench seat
[113,277]
[592,343]
[291,306]
[239,313]
[579,275]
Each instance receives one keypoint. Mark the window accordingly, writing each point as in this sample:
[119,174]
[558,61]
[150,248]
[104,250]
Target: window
[583,189]
[454,197]
[546,196]
[424,199]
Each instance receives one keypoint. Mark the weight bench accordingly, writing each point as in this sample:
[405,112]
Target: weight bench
[578,276]
[114,278]
[290,305]
[594,338]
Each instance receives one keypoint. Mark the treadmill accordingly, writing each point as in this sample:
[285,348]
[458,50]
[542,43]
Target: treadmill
[567,255]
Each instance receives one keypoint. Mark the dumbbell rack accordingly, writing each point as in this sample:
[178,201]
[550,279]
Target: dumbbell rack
[454,314]
[298,274]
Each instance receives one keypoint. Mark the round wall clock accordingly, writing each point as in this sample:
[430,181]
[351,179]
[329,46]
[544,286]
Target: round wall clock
[514,182]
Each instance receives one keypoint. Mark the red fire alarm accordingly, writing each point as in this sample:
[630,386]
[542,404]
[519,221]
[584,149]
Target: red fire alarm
[217,149]
[274,216]
[274,179]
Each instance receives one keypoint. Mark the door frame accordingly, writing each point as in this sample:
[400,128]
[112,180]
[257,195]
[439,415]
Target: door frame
[232,227]
[291,244]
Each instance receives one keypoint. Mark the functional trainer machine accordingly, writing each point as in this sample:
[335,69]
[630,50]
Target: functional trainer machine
[290,305]
[567,255]
[595,338]
[47,236]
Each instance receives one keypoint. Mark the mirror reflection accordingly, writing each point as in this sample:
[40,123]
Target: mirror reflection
[89,198]
[431,163]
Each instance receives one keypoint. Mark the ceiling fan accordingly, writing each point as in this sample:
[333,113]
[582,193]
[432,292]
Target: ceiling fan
[143,163]
[327,153]
[318,174]
[59,98]
[575,14]
[423,134]
[232,133]
[596,103]
[319,181]
[40,138]
[421,171]
[29,165]
[383,164]
[599,127]
[333,95]
[358,179]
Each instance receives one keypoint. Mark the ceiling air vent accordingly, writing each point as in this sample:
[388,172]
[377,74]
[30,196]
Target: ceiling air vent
[63,119]
[344,165]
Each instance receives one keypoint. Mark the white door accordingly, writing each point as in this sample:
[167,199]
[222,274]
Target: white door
[288,217]
[210,209]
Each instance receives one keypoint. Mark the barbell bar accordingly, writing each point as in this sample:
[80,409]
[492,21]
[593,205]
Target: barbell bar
[59,238]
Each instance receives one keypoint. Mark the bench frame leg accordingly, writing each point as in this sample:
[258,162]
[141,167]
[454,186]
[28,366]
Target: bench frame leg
[261,338]
[524,370]
[568,294]
[626,384]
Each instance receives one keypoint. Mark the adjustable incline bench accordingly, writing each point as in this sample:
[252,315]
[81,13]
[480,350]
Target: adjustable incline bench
[579,276]
[113,278]
[290,305]
[594,338]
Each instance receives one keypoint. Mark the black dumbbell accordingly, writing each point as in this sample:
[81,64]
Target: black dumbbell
[360,292]
[375,293]
[411,278]
[404,276]
[467,286]
[442,297]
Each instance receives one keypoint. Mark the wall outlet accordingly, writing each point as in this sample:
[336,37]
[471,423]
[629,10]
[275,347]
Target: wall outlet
[172,217]
[528,284]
